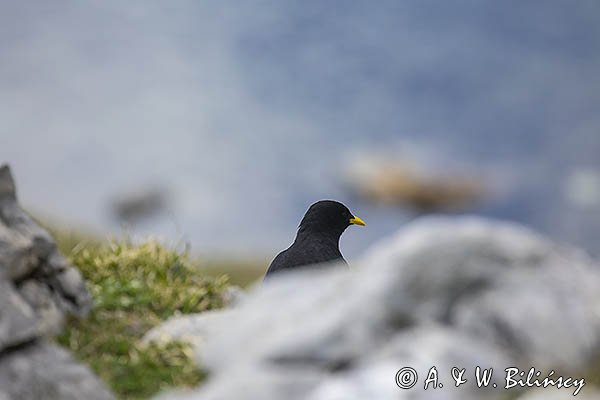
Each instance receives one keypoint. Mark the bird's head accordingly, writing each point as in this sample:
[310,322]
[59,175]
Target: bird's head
[328,216]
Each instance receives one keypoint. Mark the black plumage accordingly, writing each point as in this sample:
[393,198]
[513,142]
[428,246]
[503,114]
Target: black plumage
[318,237]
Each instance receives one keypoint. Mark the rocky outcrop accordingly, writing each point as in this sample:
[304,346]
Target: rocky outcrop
[444,292]
[38,289]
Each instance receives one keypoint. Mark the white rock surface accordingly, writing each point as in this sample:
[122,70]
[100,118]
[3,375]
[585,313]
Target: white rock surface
[443,292]
[560,394]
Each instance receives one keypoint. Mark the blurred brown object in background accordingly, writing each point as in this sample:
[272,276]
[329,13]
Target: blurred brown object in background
[396,183]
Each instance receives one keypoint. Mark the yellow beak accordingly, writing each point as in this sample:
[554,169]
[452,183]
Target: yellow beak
[357,221]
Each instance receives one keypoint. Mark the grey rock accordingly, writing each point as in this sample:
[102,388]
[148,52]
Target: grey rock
[45,371]
[561,394]
[420,348]
[259,384]
[443,291]
[49,316]
[500,282]
[18,323]
[193,329]
[33,270]
[233,296]
[38,289]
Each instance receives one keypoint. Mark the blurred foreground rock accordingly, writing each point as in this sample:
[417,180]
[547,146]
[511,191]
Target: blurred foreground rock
[38,288]
[443,292]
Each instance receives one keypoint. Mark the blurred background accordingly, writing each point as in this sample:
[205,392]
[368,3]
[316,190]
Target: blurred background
[218,123]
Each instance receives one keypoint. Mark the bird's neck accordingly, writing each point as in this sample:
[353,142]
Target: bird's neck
[325,237]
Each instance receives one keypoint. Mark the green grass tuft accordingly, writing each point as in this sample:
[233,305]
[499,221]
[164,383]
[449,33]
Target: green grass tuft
[136,287]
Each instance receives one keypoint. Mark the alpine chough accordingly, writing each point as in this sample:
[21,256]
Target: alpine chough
[318,237]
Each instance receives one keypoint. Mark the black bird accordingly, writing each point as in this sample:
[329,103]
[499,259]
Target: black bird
[318,237]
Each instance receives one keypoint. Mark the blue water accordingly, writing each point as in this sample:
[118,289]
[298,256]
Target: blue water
[247,112]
